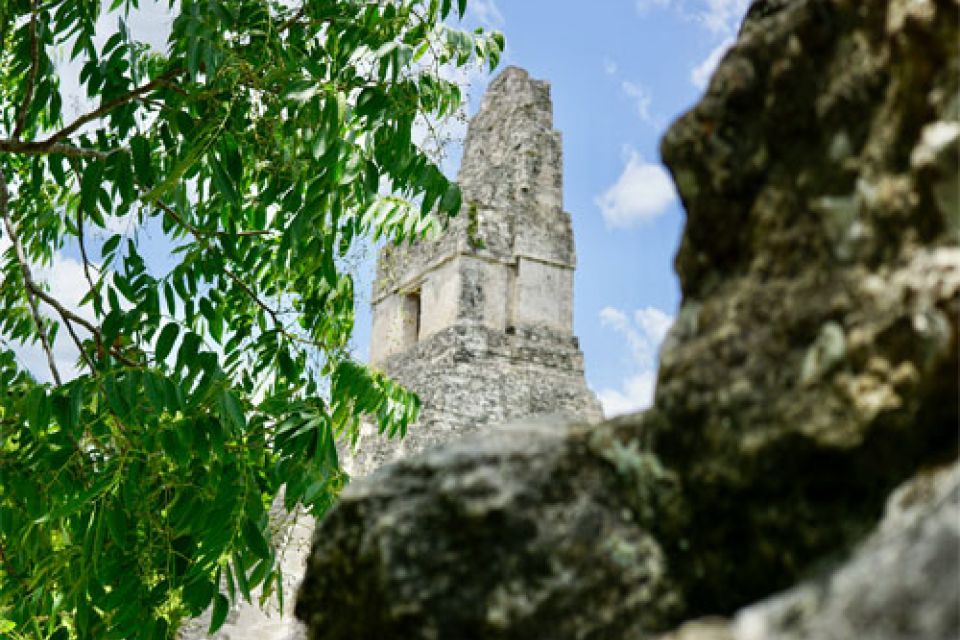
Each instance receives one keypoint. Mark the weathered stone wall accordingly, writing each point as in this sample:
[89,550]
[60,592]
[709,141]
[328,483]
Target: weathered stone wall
[813,368]
[470,377]
[511,252]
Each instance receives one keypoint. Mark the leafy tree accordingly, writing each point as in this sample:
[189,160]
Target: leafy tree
[259,148]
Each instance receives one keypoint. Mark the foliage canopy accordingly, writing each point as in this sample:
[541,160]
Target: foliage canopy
[257,147]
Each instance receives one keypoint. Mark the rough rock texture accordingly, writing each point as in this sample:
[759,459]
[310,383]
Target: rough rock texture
[900,584]
[813,368]
[429,547]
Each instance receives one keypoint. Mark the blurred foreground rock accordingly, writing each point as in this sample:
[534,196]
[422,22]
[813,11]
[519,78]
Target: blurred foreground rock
[812,369]
[900,584]
[813,365]
[527,531]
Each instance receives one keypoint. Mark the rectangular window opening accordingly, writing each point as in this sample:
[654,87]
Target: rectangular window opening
[411,318]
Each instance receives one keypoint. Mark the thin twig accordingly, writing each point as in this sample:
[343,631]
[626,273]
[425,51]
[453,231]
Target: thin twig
[197,231]
[83,246]
[34,291]
[230,274]
[69,316]
[292,19]
[79,343]
[253,296]
[29,287]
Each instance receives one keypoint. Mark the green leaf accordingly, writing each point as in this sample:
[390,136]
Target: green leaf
[106,251]
[254,538]
[222,181]
[142,166]
[231,410]
[452,199]
[165,342]
[90,185]
[232,158]
[221,607]
[117,524]
[197,594]
[38,410]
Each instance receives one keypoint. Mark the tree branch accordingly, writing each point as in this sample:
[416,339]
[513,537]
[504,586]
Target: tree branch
[54,144]
[83,246]
[289,22]
[42,148]
[79,343]
[106,108]
[34,291]
[29,287]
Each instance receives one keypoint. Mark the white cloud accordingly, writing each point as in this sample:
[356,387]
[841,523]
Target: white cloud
[641,98]
[635,92]
[613,317]
[654,323]
[644,331]
[717,16]
[487,12]
[67,283]
[700,74]
[722,16]
[636,395]
[642,192]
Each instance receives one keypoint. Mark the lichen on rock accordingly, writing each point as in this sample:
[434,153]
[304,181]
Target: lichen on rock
[430,546]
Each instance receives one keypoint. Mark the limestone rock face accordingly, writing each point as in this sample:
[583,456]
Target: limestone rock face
[531,531]
[813,368]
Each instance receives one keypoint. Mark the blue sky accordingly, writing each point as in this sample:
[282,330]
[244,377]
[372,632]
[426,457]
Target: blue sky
[621,71]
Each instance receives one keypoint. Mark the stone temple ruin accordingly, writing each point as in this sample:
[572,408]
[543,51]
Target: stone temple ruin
[478,321]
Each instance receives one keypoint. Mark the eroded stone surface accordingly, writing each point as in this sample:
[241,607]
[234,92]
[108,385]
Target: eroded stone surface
[532,531]
[814,363]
